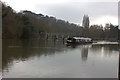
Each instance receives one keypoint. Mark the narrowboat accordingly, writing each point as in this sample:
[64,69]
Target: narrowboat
[79,40]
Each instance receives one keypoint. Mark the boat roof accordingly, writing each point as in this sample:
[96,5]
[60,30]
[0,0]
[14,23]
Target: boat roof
[82,38]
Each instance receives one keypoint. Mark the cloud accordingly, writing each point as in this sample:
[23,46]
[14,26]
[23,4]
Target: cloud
[105,19]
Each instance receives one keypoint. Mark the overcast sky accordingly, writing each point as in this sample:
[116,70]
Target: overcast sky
[99,11]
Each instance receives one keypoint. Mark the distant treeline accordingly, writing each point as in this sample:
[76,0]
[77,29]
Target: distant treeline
[26,25]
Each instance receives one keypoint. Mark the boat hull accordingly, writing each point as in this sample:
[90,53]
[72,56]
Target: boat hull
[79,42]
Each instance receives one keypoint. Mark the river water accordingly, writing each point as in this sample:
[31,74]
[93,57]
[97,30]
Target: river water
[55,59]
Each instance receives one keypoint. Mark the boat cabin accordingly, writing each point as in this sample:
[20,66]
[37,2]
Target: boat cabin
[79,40]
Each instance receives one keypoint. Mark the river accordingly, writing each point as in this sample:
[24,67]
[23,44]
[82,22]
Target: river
[55,59]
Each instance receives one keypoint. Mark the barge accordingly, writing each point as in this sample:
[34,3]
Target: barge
[79,40]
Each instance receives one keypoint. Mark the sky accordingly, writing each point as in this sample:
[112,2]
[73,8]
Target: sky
[99,11]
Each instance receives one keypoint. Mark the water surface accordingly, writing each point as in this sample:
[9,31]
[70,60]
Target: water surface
[54,59]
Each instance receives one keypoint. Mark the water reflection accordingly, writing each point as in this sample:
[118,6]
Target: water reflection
[106,49]
[26,49]
[84,49]
[84,54]
[15,51]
